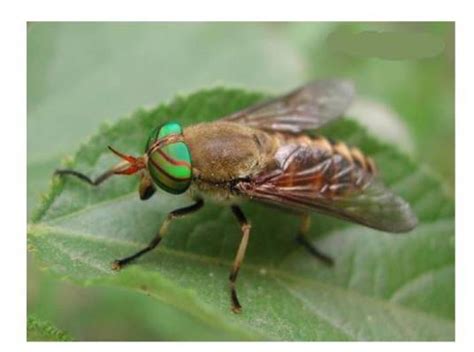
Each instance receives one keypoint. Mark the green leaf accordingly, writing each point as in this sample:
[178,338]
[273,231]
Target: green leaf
[41,330]
[383,287]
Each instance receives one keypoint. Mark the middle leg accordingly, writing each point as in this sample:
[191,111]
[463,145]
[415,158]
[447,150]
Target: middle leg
[245,228]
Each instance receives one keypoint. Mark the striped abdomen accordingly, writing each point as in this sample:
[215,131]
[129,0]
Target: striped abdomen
[318,165]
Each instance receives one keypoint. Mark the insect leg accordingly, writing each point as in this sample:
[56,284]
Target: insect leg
[302,239]
[101,178]
[245,228]
[175,214]
[146,188]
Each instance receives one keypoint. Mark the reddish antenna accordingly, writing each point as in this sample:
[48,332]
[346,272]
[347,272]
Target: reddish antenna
[131,166]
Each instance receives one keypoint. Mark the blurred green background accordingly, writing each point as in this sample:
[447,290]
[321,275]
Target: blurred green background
[82,74]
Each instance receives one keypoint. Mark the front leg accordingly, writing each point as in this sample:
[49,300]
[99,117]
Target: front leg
[245,228]
[175,214]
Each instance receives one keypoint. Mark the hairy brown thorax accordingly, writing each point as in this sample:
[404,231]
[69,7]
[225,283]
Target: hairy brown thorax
[225,151]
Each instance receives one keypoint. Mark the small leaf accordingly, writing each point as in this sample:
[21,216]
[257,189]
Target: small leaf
[41,330]
[383,286]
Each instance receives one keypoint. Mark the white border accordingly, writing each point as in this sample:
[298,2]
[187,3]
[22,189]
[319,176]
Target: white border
[242,10]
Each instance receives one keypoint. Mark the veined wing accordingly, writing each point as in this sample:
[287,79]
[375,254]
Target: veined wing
[307,107]
[309,178]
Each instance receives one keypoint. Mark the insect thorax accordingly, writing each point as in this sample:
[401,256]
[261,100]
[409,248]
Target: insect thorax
[213,192]
[226,151]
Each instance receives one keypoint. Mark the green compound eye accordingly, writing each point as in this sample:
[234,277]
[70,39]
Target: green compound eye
[170,165]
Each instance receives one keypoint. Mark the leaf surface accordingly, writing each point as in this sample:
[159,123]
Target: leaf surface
[383,287]
[42,330]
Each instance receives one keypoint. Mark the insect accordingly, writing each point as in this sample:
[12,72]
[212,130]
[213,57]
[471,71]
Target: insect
[263,154]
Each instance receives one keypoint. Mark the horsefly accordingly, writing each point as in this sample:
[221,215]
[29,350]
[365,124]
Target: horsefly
[263,154]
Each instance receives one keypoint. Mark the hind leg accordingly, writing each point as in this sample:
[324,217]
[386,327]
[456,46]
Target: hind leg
[302,238]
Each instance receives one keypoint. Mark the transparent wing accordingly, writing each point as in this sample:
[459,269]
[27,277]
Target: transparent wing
[306,178]
[308,107]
